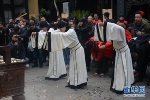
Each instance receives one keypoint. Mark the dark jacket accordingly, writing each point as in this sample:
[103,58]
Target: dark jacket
[17,52]
[144,25]
[4,36]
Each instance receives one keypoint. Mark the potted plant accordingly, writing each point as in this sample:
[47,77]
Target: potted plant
[44,12]
[80,13]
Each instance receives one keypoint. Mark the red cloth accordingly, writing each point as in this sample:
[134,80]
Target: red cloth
[128,35]
[98,53]
[125,22]
[96,21]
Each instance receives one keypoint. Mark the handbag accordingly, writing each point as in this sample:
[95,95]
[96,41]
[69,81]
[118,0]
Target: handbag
[30,48]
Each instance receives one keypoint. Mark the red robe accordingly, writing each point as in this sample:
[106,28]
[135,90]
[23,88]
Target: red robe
[128,35]
[125,22]
[98,53]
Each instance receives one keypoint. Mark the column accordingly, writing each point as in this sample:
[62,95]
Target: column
[33,8]
[120,11]
[72,5]
[2,16]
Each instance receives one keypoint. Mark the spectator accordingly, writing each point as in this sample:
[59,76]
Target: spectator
[122,20]
[32,30]
[139,25]
[96,20]
[4,35]
[128,34]
[83,35]
[106,16]
[142,49]
[22,34]
[17,49]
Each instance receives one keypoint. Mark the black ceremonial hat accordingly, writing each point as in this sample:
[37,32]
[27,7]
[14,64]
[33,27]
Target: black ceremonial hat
[43,24]
[61,24]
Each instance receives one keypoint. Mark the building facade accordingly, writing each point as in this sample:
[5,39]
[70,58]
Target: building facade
[14,8]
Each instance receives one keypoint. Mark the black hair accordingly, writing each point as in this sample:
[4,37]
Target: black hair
[121,16]
[106,14]
[137,12]
[16,29]
[31,24]
[27,22]
[1,23]
[10,25]
[12,34]
[72,21]
[54,26]
[32,18]
[65,19]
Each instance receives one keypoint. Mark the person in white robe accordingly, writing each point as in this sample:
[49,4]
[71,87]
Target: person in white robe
[123,70]
[37,41]
[57,68]
[77,69]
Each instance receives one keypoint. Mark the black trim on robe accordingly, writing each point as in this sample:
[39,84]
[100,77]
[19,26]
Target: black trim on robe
[104,32]
[97,27]
[49,42]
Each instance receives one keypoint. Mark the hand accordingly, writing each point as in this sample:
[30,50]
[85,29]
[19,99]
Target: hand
[55,22]
[96,59]
[16,43]
[101,47]
[33,33]
[101,23]
[149,42]
[47,34]
[138,32]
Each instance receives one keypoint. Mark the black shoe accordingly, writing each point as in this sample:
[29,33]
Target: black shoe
[67,86]
[111,89]
[34,66]
[148,83]
[41,66]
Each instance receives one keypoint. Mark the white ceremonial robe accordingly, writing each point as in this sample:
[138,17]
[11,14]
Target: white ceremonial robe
[57,68]
[123,71]
[33,43]
[41,38]
[77,68]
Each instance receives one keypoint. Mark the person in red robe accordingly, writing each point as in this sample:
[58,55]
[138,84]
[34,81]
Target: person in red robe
[96,20]
[101,53]
[127,33]
[122,20]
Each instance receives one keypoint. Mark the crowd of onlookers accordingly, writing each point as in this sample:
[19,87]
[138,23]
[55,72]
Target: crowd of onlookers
[17,34]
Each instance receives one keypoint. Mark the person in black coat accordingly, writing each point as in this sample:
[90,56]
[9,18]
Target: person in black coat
[22,35]
[32,29]
[83,35]
[4,35]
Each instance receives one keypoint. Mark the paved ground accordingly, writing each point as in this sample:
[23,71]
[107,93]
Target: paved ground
[37,88]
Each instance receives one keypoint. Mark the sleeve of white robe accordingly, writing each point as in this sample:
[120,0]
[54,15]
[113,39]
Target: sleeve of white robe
[114,32]
[61,40]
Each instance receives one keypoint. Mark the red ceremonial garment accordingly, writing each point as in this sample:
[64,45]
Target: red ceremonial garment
[128,35]
[96,21]
[125,22]
[99,53]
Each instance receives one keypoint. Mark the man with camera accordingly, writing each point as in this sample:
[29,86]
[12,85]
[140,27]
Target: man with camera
[17,49]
